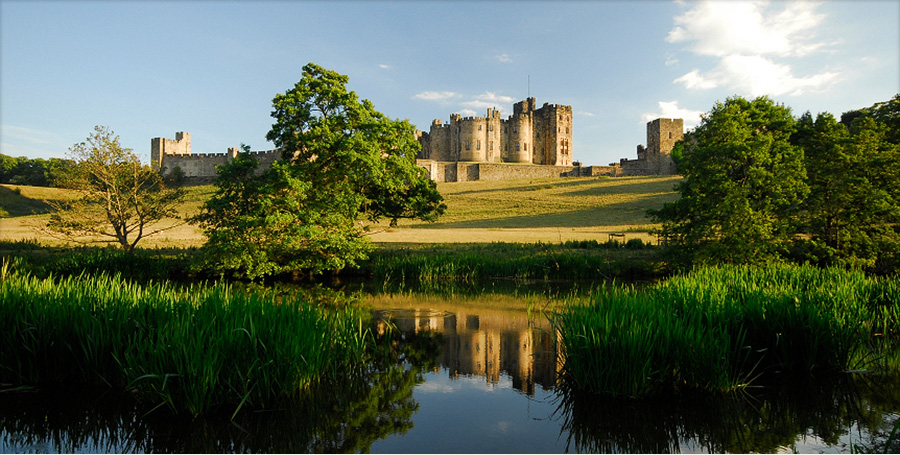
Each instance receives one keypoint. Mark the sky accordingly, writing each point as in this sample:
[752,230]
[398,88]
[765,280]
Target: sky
[211,68]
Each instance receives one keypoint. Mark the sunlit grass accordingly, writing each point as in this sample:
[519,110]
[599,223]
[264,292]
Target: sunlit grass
[719,328]
[546,210]
[189,349]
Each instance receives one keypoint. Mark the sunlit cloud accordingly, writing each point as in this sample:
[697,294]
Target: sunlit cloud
[756,76]
[503,58]
[748,28]
[671,109]
[384,67]
[750,40]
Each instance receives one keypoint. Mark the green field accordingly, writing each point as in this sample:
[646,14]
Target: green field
[526,211]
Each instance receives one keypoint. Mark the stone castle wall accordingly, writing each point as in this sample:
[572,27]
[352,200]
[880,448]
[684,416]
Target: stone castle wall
[656,157]
[167,154]
[530,135]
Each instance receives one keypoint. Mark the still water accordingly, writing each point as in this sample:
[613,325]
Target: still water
[471,374]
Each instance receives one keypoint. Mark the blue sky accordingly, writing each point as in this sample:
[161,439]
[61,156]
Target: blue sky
[211,68]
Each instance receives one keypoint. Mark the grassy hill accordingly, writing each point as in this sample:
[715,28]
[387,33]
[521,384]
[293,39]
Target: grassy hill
[529,210]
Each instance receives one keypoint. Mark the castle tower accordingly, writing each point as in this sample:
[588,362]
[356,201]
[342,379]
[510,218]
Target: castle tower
[553,135]
[662,134]
[160,146]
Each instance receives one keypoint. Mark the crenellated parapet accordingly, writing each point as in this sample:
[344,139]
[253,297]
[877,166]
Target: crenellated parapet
[529,136]
[168,154]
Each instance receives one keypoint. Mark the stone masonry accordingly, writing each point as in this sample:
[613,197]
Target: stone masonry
[167,154]
[656,157]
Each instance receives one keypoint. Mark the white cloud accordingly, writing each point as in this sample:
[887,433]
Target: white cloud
[436,96]
[670,109]
[750,40]
[503,58]
[757,76]
[384,67]
[749,28]
[488,100]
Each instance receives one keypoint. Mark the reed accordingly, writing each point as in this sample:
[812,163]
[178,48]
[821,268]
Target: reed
[190,349]
[720,328]
[573,260]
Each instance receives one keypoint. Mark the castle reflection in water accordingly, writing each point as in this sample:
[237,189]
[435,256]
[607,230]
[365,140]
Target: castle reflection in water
[486,345]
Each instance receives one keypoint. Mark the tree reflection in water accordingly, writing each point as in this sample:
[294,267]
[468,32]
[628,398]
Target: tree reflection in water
[773,418]
[341,416]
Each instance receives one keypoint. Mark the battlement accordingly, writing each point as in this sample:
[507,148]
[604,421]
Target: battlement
[167,154]
[528,136]
[656,157]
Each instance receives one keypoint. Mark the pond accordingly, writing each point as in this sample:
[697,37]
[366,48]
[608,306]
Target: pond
[472,374]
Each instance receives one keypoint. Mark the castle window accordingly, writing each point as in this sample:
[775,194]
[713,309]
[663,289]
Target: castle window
[490,127]
[517,146]
[467,145]
[670,135]
[526,146]
[515,128]
[478,145]
[491,145]
[479,127]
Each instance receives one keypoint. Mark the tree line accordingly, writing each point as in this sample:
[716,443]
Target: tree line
[33,171]
[762,186]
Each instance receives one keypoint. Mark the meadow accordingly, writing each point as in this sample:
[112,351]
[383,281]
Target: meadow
[512,211]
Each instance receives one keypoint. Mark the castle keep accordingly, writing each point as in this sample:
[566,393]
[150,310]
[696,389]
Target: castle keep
[529,135]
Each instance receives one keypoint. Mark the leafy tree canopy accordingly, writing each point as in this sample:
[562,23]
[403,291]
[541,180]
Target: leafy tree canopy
[346,167]
[744,182]
[760,186]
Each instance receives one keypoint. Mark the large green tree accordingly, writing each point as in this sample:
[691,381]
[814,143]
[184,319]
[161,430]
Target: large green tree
[346,167]
[743,185]
[120,200]
[852,215]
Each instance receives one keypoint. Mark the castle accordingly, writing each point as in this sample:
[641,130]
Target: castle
[167,154]
[531,143]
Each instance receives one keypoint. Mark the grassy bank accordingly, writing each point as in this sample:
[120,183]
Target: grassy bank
[512,211]
[189,349]
[720,329]
[589,261]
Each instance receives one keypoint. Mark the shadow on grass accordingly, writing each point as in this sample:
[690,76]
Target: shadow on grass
[15,204]
[625,213]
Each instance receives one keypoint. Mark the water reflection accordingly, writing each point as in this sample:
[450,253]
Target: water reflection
[342,416]
[470,374]
[487,344]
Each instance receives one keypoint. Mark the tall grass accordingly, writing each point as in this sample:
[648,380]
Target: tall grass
[576,260]
[190,349]
[720,328]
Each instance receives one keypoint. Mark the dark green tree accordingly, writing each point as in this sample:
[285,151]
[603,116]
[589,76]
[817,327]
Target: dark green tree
[743,186]
[852,214]
[346,167]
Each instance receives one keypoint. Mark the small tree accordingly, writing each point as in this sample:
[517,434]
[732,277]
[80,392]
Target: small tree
[120,199]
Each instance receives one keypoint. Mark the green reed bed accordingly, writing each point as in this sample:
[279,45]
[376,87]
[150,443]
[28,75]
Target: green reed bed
[190,349]
[572,260]
[721,328]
